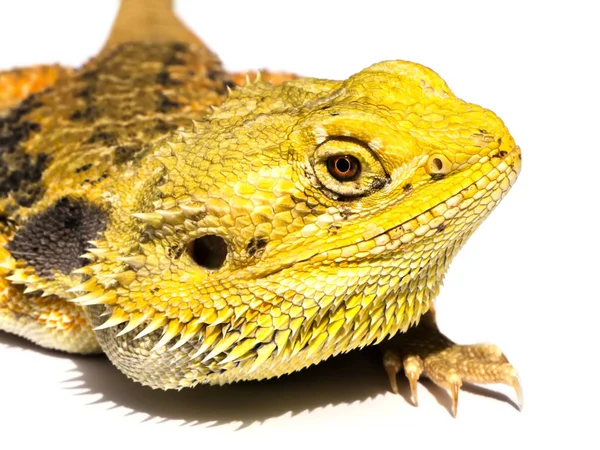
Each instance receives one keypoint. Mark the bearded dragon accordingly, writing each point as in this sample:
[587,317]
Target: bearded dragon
[199,232]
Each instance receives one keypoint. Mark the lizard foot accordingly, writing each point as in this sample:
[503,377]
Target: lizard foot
[424,350]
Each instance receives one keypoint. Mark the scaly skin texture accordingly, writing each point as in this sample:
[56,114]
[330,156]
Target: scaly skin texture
[228,248]
[18,84]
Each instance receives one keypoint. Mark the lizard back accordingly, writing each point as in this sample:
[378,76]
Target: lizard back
[70,141]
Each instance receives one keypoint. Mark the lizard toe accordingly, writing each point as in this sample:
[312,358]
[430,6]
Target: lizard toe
[424,350]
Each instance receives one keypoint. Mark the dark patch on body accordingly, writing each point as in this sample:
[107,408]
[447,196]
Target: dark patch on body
[500,154]
[125,153]
[20,173]
[332,113]
[407,188]
[228,84]
[92,104]
[345,213]
[103,138]
[256,246]
[378,183]
[222,77]
[180,46]
[437,176]
[83,168]
[162,126]
[164,104]
[86,93]
[102,177]
[333,229]
[175,252]
[173,57]
[164,79]
[441,227]
[88,114]
[55,239]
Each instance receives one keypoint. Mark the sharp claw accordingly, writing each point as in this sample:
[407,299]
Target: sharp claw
[412,380]
[392,377]
[413,367]
[392,364]
[516,384]
[454,390]
[455,384]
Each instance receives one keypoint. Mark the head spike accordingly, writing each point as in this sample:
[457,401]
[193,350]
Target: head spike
[262,354]
[152,218]
[173,216]
[18,277]
[222,345]
[135,321]
[172,330]
[95,298]
[315,344]
[30,290]
[193,210]
[103,253]
[8,263]
[125,278]
[189,331]
[135,262]
[282,340]
[157,322]
[86,286]
[85,270]
[223,315]
[117,317]
[211,334]
[239,350]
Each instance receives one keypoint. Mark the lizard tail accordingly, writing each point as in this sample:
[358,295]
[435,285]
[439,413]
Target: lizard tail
[152,21]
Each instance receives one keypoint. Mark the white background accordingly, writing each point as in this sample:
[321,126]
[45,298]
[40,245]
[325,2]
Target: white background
[526,281]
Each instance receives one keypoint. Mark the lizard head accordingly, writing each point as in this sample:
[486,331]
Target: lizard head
[295,222]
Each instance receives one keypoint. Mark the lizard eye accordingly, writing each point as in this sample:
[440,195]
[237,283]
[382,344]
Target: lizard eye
[347,168]
[344,167]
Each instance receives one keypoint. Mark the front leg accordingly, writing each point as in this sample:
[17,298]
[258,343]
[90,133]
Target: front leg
[424,350]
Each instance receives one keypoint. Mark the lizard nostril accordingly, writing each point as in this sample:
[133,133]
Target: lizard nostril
[209,251]
[437,166]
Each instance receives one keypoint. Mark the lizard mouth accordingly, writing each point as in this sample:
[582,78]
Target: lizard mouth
[494,184]
[476,199]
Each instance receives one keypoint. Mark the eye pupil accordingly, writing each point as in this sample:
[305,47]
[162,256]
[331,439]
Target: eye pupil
[343,168]
[342,165]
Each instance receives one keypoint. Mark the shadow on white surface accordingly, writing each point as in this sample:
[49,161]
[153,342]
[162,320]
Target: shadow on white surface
[353,377]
